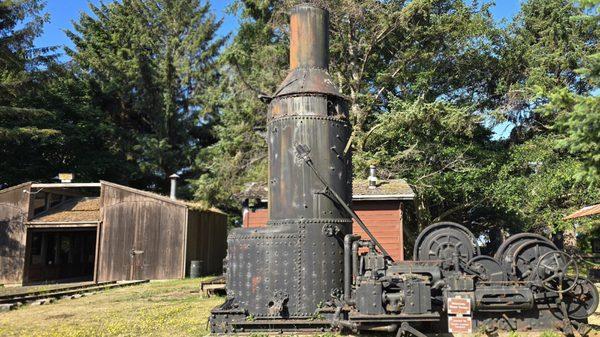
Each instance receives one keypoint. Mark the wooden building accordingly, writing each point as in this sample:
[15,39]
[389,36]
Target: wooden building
[381,207]
[104,232]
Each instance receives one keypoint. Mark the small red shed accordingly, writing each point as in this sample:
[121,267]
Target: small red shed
[381,207]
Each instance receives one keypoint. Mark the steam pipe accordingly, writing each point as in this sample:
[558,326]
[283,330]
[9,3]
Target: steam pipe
[355,259]
[348,268]
[355,246]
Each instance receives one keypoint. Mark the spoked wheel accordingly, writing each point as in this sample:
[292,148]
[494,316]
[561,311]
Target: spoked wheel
[582,300]
[519,253]
[524,258]
[517,239]
[552,268]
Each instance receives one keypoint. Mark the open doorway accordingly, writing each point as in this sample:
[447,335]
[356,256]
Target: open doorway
[56,255]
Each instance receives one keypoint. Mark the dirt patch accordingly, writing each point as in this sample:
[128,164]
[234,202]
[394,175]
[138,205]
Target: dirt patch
[61,316]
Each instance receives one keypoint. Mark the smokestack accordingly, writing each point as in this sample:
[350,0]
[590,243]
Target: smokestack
[309,37]
[372,177]
[298,257]
[173,178]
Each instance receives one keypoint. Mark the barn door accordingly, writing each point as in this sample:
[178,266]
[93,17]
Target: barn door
[115,260]
[145,250]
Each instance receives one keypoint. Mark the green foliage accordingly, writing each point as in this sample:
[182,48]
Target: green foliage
[538,185]
[253,64]
[544,50]
[21,21]
[29,137]
[551,167]
[148,65]
[443,151]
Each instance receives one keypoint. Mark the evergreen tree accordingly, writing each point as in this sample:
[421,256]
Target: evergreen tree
[29,138]
[551,159]
[254,64]
[149,66]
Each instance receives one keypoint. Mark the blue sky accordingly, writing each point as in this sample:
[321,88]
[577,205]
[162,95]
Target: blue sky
[63,12]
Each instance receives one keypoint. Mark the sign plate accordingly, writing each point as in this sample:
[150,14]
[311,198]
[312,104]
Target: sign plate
[459,306]
[460,324]
[65,177]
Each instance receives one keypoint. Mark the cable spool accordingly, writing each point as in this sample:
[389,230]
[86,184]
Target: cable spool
[519,254]
[516,239]
[525,257]
[445,240]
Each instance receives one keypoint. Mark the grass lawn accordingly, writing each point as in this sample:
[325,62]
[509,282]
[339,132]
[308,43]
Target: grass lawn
[169,308]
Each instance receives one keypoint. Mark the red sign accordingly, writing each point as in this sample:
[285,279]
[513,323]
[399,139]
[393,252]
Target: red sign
[459,306]
[460,324]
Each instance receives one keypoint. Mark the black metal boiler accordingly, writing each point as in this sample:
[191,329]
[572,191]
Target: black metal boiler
[294,264]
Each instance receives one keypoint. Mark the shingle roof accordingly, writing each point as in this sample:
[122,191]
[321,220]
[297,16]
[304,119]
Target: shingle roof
[254,190]
[394,189]
[81,209]
[586,211]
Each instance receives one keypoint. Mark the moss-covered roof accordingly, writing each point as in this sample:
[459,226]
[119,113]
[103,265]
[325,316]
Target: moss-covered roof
[395,189]
[74,210]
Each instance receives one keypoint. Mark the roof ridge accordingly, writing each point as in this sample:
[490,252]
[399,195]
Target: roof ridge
[12,188]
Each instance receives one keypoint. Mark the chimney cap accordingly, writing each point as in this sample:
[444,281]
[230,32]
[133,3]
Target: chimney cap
[372,177]
[174,176]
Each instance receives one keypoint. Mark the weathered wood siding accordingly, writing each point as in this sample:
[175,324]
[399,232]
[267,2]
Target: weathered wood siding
[207,241]
[152,228]
[14,210]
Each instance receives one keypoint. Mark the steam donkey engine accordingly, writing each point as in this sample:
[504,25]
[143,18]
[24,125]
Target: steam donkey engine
[306,271]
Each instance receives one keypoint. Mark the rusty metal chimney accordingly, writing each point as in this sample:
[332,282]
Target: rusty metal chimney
[173,194]
[309,37]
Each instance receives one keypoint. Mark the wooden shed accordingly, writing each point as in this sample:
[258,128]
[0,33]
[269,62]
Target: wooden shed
[381,207]
[104,232]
